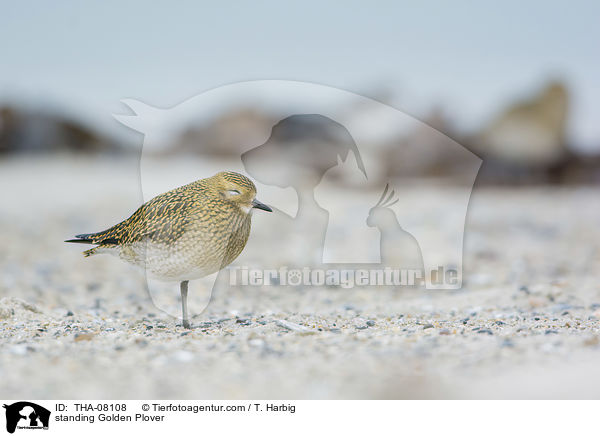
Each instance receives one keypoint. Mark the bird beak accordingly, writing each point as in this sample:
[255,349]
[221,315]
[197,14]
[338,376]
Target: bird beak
[258,205]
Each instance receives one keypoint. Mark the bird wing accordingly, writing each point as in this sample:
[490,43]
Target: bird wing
[162,219]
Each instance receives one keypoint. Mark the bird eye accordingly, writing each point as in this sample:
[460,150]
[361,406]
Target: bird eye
[233,192]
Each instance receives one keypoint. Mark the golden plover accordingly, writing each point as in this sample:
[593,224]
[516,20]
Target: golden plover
[184,234]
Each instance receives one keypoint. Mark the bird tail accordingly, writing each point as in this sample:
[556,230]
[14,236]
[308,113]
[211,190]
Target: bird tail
[85,238]
[93,238]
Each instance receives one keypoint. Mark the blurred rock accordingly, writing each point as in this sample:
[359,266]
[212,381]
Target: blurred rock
[27,131]
[300,149]
[428,150]
[581,169]
[228,135]
[526,142]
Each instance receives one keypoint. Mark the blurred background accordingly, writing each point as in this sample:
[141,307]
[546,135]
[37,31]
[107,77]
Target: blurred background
[515,83]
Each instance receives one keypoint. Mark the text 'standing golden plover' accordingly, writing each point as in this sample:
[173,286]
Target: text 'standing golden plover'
[184,234]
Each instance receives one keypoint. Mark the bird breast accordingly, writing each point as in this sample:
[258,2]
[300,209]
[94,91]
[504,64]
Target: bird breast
[209,243]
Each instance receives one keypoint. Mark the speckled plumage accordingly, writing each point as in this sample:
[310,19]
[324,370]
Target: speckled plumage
[186,233]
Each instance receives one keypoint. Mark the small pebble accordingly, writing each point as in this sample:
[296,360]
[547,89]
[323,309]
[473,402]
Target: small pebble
[83,337]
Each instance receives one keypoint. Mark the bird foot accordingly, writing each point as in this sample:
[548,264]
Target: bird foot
[186,324]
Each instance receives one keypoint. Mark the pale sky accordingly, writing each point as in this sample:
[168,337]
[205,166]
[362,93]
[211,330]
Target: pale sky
[468,57]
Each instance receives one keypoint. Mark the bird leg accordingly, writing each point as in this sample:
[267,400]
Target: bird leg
[184,292]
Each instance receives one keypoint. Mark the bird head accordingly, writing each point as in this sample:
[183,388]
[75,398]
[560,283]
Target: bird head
[238,190]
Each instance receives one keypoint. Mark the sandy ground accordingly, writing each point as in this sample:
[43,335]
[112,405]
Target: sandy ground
[525,325]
